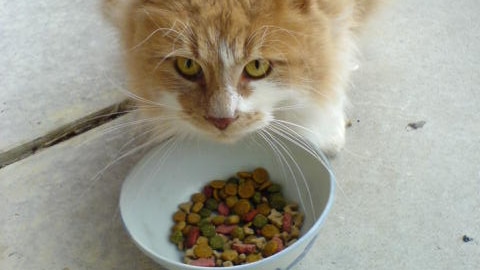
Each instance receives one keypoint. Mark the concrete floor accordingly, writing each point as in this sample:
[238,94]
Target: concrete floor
[405,197]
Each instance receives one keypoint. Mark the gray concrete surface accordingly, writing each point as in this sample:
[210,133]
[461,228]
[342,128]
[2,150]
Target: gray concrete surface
[405,196]
[58,61]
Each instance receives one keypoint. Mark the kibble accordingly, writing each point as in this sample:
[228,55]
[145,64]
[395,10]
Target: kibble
[239,220]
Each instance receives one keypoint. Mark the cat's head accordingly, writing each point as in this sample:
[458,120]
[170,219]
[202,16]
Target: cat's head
[224,69]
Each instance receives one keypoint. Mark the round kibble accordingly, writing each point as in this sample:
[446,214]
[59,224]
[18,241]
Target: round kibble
[257,198]
[179,216]
[246,189]
[244,175]
[231,201]
[238,233]
[233,180]
[264,209]
[193,218]
[203,251]
[217,184]
[179,226]
[197,206]
[205,212]
[202,240]
[229,255]
[230,189]
[208,230]
[253,257]
[269,231]
[177,237]
[232,219]
[274,188]
[259,221]
[211,204]
[216,242]
[260,175]
[218,220]
[277,201]
[270,248]
[242,207]
[199,197]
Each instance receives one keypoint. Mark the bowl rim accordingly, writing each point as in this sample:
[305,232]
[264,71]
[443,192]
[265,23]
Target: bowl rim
[310,235]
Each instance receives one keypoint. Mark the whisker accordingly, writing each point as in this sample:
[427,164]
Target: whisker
[298,169]
[125,125]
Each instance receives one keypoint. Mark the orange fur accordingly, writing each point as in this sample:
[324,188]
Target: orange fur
[309,44]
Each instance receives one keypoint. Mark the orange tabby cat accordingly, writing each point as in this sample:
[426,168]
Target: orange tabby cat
[223,69]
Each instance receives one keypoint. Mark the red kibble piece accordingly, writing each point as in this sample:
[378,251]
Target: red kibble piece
[208,191]
[244,248]
[223,209]
[205,262]
[192,237]
[225,229]
[248,217]
[287,222]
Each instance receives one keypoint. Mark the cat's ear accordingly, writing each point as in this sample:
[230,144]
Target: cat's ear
[304,6]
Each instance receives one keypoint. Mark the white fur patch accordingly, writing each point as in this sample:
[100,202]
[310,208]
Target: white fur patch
[224,104]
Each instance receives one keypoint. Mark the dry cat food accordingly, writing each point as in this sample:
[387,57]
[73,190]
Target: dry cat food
[236,221]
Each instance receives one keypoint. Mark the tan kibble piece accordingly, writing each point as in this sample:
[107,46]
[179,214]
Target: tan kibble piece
[260,175]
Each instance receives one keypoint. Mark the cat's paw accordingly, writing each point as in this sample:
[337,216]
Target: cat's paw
[333,147]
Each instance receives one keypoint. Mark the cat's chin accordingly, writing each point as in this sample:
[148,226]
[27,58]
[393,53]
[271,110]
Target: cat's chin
[225,138]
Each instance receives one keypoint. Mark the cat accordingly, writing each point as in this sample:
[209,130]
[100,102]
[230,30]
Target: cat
[228,68]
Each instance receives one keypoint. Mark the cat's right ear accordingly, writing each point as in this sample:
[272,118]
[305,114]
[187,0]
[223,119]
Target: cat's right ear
[305,6]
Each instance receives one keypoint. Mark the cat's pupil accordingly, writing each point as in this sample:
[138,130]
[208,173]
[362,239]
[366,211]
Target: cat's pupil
[188,63]
[257,64]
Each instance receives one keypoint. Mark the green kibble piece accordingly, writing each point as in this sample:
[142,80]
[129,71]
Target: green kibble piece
[216,242]
[274,188]
[257,198]
[238,232]
[176,237]
[208,230]
[205,213]
[259,221]
[211,204]
[204,221]
[232,180]
[277,201]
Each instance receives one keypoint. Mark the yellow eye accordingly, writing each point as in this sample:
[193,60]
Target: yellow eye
[187,67]
[258,69]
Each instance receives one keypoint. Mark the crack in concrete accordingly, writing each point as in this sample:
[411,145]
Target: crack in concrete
[65,133]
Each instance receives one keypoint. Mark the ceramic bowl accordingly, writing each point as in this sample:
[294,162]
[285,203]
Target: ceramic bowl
[171,172]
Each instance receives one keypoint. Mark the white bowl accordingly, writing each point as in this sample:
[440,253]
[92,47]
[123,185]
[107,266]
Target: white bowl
[171,172]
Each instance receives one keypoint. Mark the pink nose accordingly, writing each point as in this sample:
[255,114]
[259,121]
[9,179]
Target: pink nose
[220,123]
